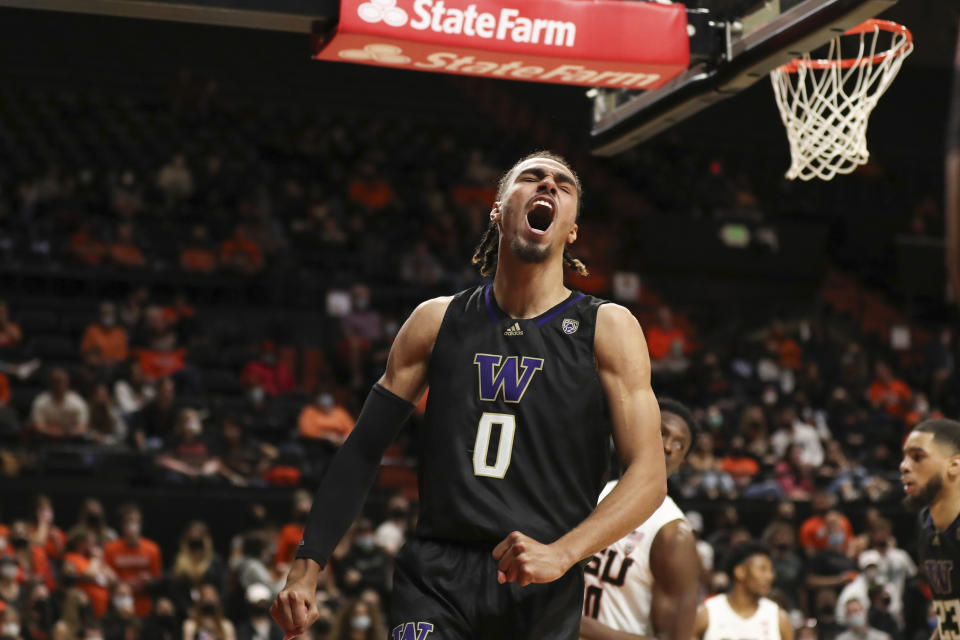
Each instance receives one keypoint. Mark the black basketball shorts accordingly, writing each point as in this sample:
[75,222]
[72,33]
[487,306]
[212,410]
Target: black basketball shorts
[447,591]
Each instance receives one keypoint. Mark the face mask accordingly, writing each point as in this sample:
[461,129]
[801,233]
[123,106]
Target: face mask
[836,539]
[208,609]
[323,626]
[11,629]
[770,398]
[397,514]
[325,400]
[301,516]
[715,419]
[19,543]
[123,603]
[108,321]
[132,529]
[366,542]
[256,395]
[360,623]
[195,544]
[94,520]
[9,571]
[167,621]
[857,619]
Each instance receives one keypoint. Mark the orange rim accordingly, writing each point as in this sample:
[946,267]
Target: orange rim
[846,63]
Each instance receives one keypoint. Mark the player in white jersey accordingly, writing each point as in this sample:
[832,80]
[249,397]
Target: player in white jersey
[744,612]
[645,584]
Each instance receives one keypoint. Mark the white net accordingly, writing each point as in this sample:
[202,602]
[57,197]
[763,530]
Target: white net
[825,103]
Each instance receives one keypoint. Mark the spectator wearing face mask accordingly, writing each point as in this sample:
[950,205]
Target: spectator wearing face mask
[43,531]
[325,420]
[292,532]
[188,455]
[365,565]
[196,564]
[77,615]
[206,620]
[9,583]
[31,558]
[831,568]
[59,413]
[136,560]
[250,569]
[272,375]
[10,624]
[91,520]
[392,532]
[857,626]
[120,621]
[37,615]
[359,621]
[163,623]
[257,624]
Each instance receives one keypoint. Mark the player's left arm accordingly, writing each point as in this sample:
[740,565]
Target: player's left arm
[786,629]
[675,565]
[623,367]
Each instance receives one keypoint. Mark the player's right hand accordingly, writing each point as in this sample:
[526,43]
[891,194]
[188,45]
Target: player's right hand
[295,609]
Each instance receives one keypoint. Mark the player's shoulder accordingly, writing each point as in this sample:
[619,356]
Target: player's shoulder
[611,315]
[432,310]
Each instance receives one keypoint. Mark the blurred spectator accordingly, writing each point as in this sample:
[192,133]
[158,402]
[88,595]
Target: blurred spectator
[199,253]
[813,532]
[894,565]
[85,568]
[77,615]
[706,478]
[888,393]
[370,189]
[738,463]
[175,180]
[9,421]
[91,519]
[104,342]
[85,245]
[155,423]
[662,338]
[243,461]
[292,532]
[272,375]
[206,618]
[107,427]
[362,320]
[240,253]
[359,621]
[125,249]
[793,476]
[136,560]
[195,565]
[260,417]
[131,310]
[879,616]
[365,565]
[257,624]
[120,621]
[831,568]
[37,614]
[163,622]
[250,568]
[10,624]
[60,413]
[324,419]
[9,581]
[419,266]
[10,333]
[43,532]
[859,628]
[132,391]
[187,455]
[859,588]
[788,565]
[392,532]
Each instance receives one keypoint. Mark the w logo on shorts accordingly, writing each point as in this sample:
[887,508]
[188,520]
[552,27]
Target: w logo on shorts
[411,631]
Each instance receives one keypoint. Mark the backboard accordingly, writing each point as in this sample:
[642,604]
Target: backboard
[734,43]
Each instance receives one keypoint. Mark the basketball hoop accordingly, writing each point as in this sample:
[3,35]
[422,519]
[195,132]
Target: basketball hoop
[825,102]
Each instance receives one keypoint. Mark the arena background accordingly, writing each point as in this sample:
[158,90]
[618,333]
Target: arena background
[346,175]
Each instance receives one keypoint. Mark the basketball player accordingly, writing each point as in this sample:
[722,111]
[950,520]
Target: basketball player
[744,612]
[528,380]
[930,471]
[646,584]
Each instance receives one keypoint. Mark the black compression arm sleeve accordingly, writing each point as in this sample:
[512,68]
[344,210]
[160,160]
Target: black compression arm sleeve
[347,482]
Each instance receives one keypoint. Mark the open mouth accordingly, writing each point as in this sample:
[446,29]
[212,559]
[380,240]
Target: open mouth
[540,214]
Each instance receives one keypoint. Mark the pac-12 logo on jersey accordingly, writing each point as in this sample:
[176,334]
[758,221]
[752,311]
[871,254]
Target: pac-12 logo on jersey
[508,376]
[570,326]
[411,631]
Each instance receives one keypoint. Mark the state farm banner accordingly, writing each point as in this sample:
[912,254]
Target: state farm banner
[602,43]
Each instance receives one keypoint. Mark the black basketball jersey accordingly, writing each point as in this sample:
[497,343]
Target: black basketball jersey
[939,553]
[516,434]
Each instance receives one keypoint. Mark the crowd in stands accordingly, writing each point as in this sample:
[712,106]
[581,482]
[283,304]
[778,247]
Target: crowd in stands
[803,413]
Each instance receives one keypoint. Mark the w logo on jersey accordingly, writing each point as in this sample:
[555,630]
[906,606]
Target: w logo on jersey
[505,375]
[411,631]
[938,574]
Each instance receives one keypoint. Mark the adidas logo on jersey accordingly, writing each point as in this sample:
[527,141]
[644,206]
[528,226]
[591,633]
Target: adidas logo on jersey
[514,330]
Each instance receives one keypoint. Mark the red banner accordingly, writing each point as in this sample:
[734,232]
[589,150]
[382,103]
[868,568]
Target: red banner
[601,43]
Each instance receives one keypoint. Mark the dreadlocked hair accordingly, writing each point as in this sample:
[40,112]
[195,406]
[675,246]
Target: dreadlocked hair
[485,256]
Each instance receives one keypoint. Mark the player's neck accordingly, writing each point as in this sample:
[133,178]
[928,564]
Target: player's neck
[946,509]
[526,290]
[744,603]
